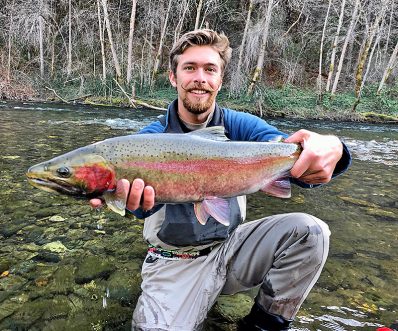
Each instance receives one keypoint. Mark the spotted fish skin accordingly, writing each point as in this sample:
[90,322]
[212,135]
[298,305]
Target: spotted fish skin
[199,166]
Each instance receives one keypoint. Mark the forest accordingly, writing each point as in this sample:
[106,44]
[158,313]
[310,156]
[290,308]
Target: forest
[301,54]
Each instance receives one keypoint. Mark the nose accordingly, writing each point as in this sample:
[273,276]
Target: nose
[200,76]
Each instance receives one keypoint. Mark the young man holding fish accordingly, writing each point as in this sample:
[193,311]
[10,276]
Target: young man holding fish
[189,264]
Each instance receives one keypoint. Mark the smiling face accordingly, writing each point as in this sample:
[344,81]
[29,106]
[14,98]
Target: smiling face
[198,79]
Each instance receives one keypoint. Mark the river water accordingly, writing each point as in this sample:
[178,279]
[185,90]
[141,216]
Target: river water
[64,266]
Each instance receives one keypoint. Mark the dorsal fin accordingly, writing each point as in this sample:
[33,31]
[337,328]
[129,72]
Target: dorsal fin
[216,133]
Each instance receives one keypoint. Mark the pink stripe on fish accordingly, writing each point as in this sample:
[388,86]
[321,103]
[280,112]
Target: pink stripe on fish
[188,166]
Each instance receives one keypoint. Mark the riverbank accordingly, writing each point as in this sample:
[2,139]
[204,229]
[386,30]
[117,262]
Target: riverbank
[286,102]
[282,103]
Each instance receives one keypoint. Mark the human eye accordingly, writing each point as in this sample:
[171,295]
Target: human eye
[211,69]
[188,68]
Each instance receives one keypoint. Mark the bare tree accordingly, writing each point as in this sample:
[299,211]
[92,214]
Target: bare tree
[334,46]
[161,43]
[101,36]
[182,12]
[41,45]
[198,10]
[69,60]
[319,79]
[130,44]
[347,39]
[364,54]
[390,66]
[111,43]
[264,41]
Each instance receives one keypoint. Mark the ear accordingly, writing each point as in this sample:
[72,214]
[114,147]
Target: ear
[219,87]
[172,78]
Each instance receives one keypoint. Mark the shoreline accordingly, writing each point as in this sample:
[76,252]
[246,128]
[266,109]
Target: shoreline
[161,105]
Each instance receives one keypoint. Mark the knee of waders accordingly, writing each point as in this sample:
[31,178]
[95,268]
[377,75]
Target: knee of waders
[260,320]
[307,226]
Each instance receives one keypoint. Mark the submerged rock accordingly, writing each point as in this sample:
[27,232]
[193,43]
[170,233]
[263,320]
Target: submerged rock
[55,247]
[93,267]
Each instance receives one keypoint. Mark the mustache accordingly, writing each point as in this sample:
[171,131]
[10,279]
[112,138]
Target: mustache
[198,86]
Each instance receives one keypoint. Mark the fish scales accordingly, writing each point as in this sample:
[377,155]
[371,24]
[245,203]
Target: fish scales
[181,167]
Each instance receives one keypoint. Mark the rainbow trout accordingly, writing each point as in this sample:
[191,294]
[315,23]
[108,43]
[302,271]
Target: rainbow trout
[202,167]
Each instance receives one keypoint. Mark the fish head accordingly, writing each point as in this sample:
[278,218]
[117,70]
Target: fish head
[74,173]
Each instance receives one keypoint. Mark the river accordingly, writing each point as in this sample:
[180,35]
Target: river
[64,266]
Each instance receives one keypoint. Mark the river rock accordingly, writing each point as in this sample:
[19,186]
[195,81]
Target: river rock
[4,265]
[233,307]
[93,267]
[55,247]
[56,219]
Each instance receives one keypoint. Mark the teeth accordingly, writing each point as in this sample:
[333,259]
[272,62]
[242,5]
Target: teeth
[199,91]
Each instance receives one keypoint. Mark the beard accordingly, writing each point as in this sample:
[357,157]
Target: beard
[201,106]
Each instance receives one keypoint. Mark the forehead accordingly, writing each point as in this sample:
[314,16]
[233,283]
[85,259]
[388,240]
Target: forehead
[200,55]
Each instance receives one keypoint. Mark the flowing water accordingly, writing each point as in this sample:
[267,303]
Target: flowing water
[64,266]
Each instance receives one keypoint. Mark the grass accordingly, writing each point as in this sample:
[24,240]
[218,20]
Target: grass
[288,101]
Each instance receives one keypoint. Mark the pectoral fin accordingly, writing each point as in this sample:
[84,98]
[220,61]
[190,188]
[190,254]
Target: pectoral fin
[279,188]
[218,208]
[116,201]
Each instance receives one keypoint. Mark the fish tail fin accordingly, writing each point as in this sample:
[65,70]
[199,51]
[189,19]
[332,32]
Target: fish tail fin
[279,188]
[218,208]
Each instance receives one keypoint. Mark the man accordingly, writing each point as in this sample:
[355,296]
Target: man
[188,264]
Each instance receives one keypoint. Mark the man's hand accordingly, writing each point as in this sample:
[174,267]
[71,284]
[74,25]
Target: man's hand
[140,195]
[319,156]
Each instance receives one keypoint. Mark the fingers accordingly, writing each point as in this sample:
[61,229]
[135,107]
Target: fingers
[140,195]
[137,195]
[96,203]
[319,157]
[299,137]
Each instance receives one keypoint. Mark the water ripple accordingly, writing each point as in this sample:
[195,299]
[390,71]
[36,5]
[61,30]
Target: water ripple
[113,123]
[385,151]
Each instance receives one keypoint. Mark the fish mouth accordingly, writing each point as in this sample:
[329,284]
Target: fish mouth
[53,185]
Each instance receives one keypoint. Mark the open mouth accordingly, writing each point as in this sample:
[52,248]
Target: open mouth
[53,185]
[199,91]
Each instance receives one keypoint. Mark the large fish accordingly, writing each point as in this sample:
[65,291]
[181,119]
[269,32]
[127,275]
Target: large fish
[203,167]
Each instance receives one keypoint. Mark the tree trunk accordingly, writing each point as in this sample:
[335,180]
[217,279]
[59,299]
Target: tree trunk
[344,48]
[161,42]
[375,44]
[130,45]
[389,68]
[364,55]
[9,46]
[111,43]
[261,55]
[41,45]
[180,23]
[242,44]
[334,47]
[319,79]
[198,10]
[101,35]
[69,61]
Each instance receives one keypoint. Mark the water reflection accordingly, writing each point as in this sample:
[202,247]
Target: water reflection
[69,266]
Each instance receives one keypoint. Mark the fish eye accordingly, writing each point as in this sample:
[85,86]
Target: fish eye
[64,172]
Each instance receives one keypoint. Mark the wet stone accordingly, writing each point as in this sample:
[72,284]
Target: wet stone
[47,256]
[93,267]
[4,265]
[56,219]
[124,287]
[55,247]
[233,307]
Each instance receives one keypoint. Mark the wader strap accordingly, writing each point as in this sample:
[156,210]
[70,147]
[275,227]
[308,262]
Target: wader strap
[176,255]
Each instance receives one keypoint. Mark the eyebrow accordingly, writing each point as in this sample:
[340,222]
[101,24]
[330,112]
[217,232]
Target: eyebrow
[196,63]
